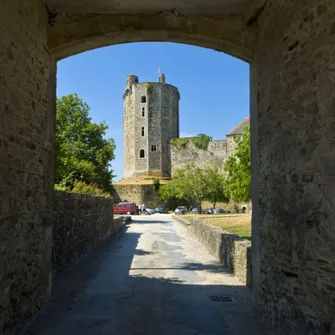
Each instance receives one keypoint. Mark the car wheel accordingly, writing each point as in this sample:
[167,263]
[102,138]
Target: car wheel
[128,213]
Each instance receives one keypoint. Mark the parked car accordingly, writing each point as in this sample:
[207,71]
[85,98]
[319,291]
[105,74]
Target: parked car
[180,210]
[150,211]
[208,211]
[195,210]
[161,209]
[129,208]
[218,211]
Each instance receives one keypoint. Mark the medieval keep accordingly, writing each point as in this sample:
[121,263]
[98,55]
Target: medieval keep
[150,121]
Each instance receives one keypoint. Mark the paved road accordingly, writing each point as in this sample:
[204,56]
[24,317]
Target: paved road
[154,278]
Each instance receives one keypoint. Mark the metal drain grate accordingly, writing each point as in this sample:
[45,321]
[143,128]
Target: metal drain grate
[219,298]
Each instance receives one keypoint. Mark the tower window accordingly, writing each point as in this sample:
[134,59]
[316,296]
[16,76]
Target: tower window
[142,131]
[144,99]
[143,111]
[154,148]
[142,153]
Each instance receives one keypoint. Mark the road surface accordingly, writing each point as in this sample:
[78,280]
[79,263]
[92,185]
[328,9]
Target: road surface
[154,278]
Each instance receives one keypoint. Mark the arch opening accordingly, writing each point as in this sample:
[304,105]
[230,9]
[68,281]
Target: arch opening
[150,149]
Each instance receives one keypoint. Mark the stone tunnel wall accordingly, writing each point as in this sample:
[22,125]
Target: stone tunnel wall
[81,222]
[27,135]
[293,79]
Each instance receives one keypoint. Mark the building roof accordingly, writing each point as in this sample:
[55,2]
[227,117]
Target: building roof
[239,129]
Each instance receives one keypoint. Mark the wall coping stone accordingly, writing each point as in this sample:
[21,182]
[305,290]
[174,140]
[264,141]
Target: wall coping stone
[231,250]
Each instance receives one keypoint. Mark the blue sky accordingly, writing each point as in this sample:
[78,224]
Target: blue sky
[214,87]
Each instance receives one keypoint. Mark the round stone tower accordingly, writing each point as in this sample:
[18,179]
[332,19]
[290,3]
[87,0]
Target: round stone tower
[150,121]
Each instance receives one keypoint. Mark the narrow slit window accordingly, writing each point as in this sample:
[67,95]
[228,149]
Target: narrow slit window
[144,99]
[143,111]
[142,153]
[142,131]
[154,148]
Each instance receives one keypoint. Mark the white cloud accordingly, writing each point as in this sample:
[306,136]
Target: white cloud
[182,134]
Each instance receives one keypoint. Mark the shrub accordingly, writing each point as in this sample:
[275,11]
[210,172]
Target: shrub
[60,187]
[201,141]
[179,142]
[81,187]
[156,184]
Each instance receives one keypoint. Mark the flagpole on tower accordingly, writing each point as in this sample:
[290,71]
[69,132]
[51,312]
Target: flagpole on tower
[159,70]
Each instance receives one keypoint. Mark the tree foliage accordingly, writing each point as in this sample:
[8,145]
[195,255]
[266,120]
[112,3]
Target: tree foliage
[82,151]
[238,169]
[215,183]
[194,184]
[156,184]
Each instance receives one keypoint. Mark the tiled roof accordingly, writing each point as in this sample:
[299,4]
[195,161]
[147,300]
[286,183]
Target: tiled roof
[239,129]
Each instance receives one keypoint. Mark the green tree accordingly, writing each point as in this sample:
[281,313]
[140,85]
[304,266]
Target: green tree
[82,151]
[188,183]
[238,169]
[156,184]
[215,183]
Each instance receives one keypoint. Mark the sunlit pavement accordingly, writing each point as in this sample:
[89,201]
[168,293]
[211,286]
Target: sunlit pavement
[153,278]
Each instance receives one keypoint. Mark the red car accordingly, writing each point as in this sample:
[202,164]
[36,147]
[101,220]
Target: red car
[125,208]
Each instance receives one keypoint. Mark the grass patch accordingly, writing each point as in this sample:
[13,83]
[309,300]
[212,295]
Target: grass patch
[237,225]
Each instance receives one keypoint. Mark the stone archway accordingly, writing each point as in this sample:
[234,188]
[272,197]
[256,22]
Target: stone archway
[291,52]
[72,34]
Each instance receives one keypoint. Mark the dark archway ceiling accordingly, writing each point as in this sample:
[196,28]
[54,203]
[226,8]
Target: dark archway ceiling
[184,7]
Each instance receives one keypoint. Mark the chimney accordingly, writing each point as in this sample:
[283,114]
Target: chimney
[162,78]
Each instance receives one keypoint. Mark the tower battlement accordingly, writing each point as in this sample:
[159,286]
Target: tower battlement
[150,121]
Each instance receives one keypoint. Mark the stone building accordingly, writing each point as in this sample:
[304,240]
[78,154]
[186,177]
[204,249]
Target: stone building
[214,155]
[151,120]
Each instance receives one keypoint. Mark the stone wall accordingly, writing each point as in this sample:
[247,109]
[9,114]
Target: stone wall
[293,119]
[215,155]
[233,252]
[140,194]
[81,222]
[27,134]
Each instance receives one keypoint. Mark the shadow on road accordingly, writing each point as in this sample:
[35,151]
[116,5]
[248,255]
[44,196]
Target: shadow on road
[100,296]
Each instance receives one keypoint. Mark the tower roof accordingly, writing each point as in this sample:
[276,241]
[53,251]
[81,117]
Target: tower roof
[239,129]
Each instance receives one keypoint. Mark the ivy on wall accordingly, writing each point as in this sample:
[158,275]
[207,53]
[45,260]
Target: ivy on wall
[149,87]
[179,142]
[200,141]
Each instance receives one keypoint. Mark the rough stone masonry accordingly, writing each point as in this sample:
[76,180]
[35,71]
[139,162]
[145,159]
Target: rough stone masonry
[81,223]
[290,47]
[27,137]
